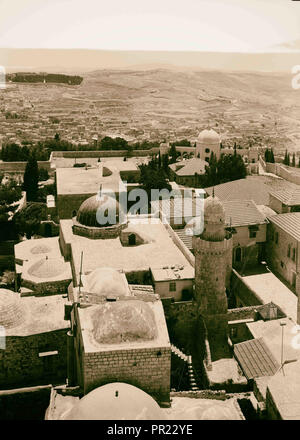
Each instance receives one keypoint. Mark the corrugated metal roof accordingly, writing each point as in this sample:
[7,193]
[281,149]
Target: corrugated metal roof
[255,359]
[242,213]
[256,188]
[289,222]
[186,239]
[289,197]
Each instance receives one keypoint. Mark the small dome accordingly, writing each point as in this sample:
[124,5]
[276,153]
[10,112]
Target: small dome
[209,136]
[12,313]
[123,321]
[94,211]
[116,401]
[106,281]
[47,268]
[40,249]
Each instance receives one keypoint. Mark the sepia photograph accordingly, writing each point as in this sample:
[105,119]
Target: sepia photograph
[150,213]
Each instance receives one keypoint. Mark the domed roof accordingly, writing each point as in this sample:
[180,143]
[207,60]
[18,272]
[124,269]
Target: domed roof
[47,268]
[123,321]
[209,136]
[94,211]
[40,249]
[106,281]
[12,313]
[213,210]
[116,401]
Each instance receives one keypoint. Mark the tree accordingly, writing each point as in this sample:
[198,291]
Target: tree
[10,193]
[293,160]
[31,179]
[173,154]
[28,220]
[165,164]
[227,168]
[286,159]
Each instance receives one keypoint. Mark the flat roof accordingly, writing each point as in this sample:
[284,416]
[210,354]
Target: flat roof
[158,251]
[43,314]
[271,331]
[85,181]
[169,273]
[92,345]
[268,288]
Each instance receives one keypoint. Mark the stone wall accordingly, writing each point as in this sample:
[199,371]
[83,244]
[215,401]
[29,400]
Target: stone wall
[98,233]
[20,364]
[48,287]
[103,153]
[244,295]
[145,368]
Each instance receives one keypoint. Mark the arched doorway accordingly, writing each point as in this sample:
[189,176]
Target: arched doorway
[132,240]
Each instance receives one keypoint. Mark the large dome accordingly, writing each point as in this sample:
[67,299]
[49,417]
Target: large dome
[107,282]
[209,136]
[94,211]
[12,314]
[123,321]
[113,401]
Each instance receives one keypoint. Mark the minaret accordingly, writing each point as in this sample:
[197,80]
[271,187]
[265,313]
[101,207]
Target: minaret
[213,259]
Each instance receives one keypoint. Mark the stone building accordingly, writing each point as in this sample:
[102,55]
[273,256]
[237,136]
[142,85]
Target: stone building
[213,260]
[208,142]
[33,345]
[284,201]
[283,247]
[117,335]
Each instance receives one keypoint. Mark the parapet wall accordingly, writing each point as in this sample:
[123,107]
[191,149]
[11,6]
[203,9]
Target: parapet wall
[102,153]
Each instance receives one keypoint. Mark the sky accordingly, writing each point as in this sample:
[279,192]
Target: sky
[175,25]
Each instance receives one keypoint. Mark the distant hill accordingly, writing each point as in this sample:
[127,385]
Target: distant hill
[29,77]
[83,60]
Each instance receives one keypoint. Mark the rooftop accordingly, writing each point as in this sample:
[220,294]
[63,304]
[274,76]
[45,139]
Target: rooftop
[169,273]
[268,288]
[86,181]
[289,197]
[242,213]
[289,222]
[189,167]
[143,325]
[42,314]
[255,358]
[158,252]
[256,188]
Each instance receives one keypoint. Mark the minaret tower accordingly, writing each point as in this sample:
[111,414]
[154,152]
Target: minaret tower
[213,262]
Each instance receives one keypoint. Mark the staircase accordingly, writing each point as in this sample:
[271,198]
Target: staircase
[187,359]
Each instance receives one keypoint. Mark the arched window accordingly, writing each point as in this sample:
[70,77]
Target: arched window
[207,150]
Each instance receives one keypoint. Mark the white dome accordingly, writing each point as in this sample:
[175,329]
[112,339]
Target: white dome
[209,136]
[116,400]
[106,281]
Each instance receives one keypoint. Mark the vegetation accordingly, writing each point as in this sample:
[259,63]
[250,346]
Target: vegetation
[286,160]
[269,155]
[10,192]
[47,77]
[154,176]
[28,220]
[31,179]
[227,168]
